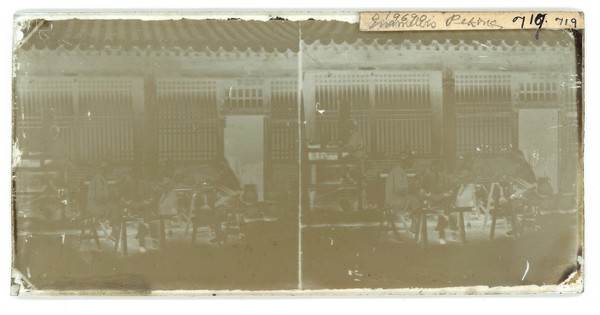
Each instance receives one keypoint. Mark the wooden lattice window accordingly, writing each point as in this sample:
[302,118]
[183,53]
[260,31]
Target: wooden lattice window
[336,90]
[189,127]
[53,96]
[284,98]
[483,112]
[41,102]
[106,119]
[246,96]
[283,137]
[392,109]
[540,87]
[186,99]
[94,116]
[394,91]
[105,98]
[283,123]
[490,89]
[409,132]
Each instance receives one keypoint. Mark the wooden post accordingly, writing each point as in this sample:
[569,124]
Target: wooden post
[77,128]
[118,240]
[161,230]
[435,88]
[124,236]
[493,228]
[372,122]
[94,233]
[138,121]
[221,87]
[150,140]
[424,237]
[268,156]
[461,221]
[448,119]
[516,79]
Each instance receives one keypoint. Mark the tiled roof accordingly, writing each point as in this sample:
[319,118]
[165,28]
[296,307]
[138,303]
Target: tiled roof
[279,35]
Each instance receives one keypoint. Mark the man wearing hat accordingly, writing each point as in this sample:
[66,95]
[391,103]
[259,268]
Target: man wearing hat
[355,143]
[97,194]
[439,189]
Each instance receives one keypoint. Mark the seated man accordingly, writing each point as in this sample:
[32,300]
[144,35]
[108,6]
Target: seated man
[97,193]
[228,185]
[138,197]
[397,196]
[221,193]
[438,188]
[355,144]
[519,189]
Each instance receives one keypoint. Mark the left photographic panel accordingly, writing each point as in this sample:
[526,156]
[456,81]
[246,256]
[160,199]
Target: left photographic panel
[155,154]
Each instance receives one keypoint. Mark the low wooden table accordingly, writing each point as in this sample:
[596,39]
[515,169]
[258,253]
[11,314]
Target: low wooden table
[122,238]
[421,231]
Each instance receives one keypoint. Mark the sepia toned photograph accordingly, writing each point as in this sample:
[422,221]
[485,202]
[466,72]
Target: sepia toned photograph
[293,155]
[440,159]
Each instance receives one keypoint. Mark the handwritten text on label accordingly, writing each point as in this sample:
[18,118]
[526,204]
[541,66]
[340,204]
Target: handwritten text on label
[431,21]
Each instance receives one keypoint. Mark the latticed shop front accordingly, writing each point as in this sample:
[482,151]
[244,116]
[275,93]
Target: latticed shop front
[143,93]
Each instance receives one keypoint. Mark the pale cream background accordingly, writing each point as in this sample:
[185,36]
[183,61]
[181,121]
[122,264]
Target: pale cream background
[489,305]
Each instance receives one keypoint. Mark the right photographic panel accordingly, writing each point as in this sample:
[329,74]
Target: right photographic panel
[439,159]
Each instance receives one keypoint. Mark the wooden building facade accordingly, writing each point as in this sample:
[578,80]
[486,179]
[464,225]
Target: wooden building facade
[148,91]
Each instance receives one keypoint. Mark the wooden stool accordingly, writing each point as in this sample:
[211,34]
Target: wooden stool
[122,238]
[461,222]
[421,231]
[388,222]
[495,213]
[89,224]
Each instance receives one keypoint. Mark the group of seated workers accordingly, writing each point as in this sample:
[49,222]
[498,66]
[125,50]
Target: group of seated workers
[437,187]
[221,193]
[432,184]
[137,194]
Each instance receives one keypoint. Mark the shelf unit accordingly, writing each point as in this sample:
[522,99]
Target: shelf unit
[335,176]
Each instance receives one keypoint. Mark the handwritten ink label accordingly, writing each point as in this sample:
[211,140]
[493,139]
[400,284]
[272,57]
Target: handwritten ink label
[398,20]
[432,21]
[472,22]
[539,20]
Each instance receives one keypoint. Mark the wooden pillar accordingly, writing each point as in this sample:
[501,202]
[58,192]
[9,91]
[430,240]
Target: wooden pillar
[222,86]
[372,122]
[448,119]
[517,78]
[268,157]
[138,121]
[77,127]
[436,89]
[344,116]
[267,154]
[150,127]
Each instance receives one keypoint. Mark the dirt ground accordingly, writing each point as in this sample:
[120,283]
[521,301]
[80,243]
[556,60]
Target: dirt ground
[349,257]
[334,256]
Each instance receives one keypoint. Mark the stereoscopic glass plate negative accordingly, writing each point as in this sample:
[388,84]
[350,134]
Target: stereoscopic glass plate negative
[296,154]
